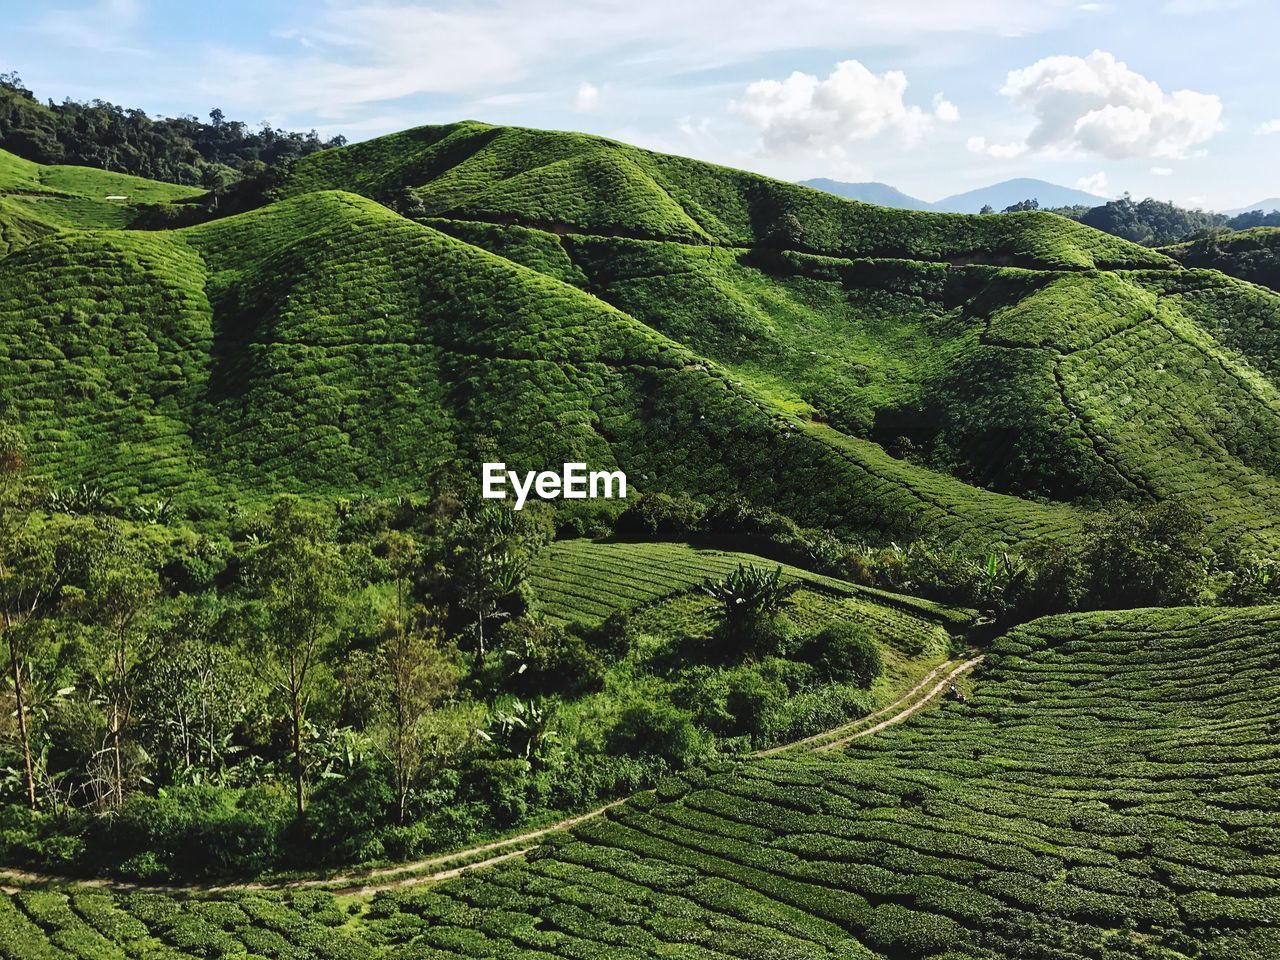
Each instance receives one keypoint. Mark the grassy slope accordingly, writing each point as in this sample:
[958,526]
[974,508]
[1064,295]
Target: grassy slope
[1109,791]
[474,171]
[36,198]
[1070,386]
[389,346]
[583,580]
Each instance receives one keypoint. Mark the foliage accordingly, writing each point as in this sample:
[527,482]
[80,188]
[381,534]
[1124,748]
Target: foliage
[845,653]
[1150,222]
[176,149]
[1252,254]
[659,730]
[300,580]
[749,593]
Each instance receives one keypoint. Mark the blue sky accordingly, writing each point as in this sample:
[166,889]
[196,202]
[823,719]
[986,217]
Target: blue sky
[1168,98]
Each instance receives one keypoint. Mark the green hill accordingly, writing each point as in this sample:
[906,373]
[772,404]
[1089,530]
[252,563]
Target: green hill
[36,198]
[562,297]
[578,183]
[1107,791]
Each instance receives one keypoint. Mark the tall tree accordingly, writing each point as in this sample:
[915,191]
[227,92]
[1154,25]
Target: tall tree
[300,579]
[121,588]
[30,577]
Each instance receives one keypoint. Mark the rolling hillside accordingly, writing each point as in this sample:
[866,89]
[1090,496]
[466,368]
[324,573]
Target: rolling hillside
[563,297]
[1106,792]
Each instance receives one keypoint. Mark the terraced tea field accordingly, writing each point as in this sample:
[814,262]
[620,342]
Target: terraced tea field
[566,298]
[1109,790]
[585,581]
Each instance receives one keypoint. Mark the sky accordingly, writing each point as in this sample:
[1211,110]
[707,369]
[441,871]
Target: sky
[1166,98]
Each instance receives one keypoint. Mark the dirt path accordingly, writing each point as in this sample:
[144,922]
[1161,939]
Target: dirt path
[933,694]
[447,865]
[816,741]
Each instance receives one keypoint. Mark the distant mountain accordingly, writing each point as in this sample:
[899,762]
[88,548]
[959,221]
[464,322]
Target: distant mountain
[1009,192]
[1266,206]
[998,195]
[880,194]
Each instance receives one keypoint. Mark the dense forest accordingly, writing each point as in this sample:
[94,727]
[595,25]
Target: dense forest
[213,155]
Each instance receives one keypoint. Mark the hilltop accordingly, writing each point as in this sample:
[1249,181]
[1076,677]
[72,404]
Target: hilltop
[1252,255]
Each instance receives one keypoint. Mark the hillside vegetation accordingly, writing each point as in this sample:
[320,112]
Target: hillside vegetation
[1252,255]
[579,183]
[672,312]
[1106,792]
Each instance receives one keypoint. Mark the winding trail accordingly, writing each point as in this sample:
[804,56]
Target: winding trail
[447,865]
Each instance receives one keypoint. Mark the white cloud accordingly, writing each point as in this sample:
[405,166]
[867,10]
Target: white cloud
[1097,105]
[1095,184]
[851,103]
[1001,151]
[587,97]
[373,51]
[1268,128]
[1162,171]
[945,110]
[104,25]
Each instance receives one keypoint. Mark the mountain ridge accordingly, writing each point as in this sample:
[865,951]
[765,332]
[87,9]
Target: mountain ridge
[997,195]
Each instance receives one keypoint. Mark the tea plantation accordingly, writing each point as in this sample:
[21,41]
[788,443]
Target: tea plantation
[584,581]
[1107,791]
[210,685]
[1252,255]
[662,322]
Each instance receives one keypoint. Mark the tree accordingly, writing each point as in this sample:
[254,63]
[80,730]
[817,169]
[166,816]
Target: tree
[1022,206]
[488,556]
[30,576]
[120,590]
[749,592]
[987,208]
[194,694]
[751,600]
[845,652]
[411,673]
[300,581]
[218,178]
[785,232]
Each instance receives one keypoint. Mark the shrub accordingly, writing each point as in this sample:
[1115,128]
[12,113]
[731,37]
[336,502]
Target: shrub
[844,652]
[545,658]
[198,830]
[749,593]
[656,729]
[346,813]
[658,515]
[500,786]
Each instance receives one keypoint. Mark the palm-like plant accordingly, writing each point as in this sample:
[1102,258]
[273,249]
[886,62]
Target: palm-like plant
[750,592]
